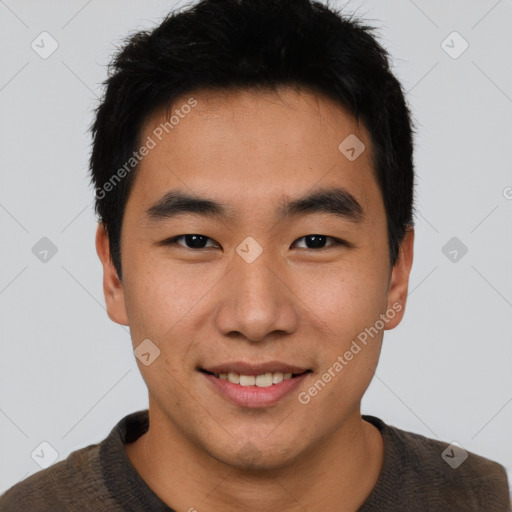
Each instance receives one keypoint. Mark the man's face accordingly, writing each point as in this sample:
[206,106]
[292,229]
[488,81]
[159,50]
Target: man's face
[256,288]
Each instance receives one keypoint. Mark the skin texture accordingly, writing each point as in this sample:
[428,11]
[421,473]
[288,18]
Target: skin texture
[297,304]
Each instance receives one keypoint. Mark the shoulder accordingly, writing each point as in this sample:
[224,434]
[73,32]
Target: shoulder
[67,485]
[441,474]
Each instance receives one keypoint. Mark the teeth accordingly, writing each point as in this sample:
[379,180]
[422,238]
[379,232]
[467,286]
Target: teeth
[277,377]
[247,380]
[234,378]
[262,381]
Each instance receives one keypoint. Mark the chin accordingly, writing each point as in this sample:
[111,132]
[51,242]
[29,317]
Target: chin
[254,457]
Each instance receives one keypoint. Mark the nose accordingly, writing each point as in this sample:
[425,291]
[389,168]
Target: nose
[258,300]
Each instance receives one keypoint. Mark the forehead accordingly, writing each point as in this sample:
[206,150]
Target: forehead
[249,146]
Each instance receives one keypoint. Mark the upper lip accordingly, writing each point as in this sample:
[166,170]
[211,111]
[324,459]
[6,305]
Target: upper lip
[254,369]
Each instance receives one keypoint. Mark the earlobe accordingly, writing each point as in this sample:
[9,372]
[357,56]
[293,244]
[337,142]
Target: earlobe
[112,287]
[399,282]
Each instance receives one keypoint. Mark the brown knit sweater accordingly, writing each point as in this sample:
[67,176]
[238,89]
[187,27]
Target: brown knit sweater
[415,477]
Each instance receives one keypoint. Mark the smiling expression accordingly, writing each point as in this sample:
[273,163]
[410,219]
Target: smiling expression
[289,263]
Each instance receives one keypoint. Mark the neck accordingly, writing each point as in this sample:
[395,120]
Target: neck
[337,474]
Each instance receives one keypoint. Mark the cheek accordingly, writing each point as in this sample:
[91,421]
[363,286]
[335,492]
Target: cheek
[153,302]
[352,306]
[345,300]
[158,307]
[163,300]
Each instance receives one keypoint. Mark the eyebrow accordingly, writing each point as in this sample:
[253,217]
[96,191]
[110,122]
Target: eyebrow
[334,200]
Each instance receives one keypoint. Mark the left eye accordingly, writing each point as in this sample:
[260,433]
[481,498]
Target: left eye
[318,241]
[195,241]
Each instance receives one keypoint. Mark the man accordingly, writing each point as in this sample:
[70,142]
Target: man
[252,162]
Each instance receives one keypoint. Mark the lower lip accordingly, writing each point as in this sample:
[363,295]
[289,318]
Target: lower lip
[254,396]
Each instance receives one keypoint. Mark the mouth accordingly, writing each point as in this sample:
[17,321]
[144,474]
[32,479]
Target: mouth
[262,380]
[255,385]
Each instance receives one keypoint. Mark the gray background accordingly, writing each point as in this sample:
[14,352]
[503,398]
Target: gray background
[68,374]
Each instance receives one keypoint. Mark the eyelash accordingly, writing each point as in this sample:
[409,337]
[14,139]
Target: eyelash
[336,241]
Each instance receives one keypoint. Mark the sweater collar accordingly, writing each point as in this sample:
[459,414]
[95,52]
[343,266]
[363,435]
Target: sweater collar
[133,494]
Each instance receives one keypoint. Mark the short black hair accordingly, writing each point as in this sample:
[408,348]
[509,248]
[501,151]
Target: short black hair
[262,44]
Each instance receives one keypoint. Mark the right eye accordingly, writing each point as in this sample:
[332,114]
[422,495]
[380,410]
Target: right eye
[195,241]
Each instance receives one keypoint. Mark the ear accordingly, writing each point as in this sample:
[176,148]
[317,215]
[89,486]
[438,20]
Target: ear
[399,281]
[112,286]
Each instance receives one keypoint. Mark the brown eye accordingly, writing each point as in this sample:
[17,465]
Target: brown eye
[192,241]
[319,241]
